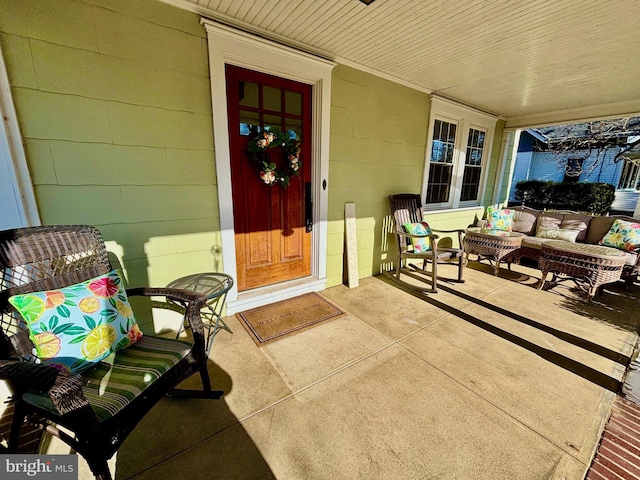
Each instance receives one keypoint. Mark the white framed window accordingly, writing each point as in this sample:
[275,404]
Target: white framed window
[630,177]
[458,152]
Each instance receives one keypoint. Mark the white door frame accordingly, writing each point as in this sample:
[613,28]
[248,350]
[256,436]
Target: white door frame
[230,46]
[22,208]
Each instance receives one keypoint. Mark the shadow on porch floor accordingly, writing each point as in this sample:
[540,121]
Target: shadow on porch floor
[488,379]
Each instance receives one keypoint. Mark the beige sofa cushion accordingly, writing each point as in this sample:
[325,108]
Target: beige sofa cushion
[524,220]
[550,220]
[533,242]
[598,228]
[577,221]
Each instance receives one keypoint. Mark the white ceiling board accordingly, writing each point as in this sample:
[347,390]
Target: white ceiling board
[517,59]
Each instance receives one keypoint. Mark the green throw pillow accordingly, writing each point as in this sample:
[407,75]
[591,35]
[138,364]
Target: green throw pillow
[77,326]
[422,228]
[623,235]
[500,219]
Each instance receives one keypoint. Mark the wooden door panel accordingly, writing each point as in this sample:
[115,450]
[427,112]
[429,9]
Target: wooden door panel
[272,244]
[293,228]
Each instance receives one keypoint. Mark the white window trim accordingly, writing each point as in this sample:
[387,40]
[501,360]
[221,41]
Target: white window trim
[465,118]
[13,161]
[230,46]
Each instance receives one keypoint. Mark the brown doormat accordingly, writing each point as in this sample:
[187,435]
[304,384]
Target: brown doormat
[269,323]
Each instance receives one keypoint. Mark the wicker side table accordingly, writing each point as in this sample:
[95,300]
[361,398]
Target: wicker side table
[589,266]
[492,245]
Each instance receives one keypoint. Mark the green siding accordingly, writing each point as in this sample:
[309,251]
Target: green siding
[378,139]
[113,100]
[378,144]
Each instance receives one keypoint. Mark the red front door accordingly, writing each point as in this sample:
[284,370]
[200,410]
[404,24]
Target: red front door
[272,223]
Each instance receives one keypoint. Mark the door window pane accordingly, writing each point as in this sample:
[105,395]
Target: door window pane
[273,121]
[294,127]
[272,99]
[249,123]
[293,103]
[248,93]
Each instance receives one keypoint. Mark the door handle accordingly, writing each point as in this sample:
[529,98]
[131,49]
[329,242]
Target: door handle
[308,207]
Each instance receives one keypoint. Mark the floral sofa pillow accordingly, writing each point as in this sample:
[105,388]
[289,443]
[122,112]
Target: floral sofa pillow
[500,219]
[77,326]
[421,228]
[623,235]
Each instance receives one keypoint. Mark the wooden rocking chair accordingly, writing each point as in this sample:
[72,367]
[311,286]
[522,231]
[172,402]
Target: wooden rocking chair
[40,259]
[407,208]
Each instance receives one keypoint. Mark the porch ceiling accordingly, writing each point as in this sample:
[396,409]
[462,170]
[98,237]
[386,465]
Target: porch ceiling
[531,63]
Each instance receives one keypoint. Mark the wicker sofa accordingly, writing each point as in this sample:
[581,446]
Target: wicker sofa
[591,230]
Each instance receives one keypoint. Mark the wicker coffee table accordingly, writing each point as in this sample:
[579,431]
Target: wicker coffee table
[589,266]
[492,245]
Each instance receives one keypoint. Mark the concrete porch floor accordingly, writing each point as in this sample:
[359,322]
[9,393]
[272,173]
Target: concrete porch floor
[405,386]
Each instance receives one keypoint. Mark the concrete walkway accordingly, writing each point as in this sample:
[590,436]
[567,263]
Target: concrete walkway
[406,386]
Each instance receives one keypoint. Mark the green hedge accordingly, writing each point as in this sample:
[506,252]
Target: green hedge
[581,197]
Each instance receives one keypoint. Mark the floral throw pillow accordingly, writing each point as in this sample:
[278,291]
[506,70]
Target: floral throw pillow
[422,228]
[623,235]
[77,326]
[500,219]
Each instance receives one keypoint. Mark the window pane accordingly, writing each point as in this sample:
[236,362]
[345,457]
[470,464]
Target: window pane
[294,127]
[437,155]
[273,121]
[293,103]
[443,142]
[470,183]
[272,99]
[441,163]
[439,183]
[480,139]
[473,166]
[249,123]
[437,130]
[248,93]
[451,133]
[630,177]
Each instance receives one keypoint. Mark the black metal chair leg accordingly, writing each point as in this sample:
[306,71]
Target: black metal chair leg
[99,467]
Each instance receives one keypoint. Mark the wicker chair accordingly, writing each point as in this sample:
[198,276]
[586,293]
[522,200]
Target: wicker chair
[49,258]
[407,208]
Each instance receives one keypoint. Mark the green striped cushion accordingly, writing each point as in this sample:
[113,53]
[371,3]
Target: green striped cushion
[123,375]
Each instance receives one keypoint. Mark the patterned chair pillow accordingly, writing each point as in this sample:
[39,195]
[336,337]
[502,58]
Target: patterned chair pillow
[75,327]
[500,219]
[623,235]
[558,234]
[421,228]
